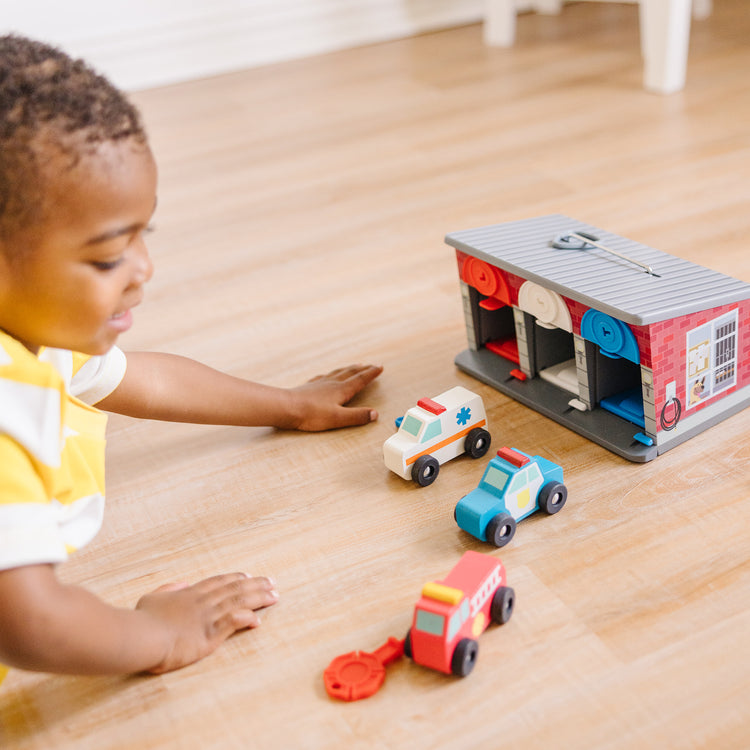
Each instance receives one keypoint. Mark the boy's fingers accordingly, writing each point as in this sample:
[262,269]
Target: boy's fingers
[367,372]
[212,587]
[365,375]
[237,608]
[250,594]
[230,579]
[176,586]
[235,592]
[356,382]
[234,620]
[350,416]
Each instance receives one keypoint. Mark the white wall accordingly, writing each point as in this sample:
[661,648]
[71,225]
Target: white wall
[146,43]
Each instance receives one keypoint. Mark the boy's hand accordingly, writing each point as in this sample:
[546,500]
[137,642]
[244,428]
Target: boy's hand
[320,404]
[199,618]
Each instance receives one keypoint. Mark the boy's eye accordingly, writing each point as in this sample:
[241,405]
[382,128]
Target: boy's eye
[119,243]
[106,265]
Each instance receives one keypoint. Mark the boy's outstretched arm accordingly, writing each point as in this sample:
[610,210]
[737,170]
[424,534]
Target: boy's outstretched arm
[49,626]
[178,389]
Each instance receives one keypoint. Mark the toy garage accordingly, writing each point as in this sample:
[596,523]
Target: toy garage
[635,349]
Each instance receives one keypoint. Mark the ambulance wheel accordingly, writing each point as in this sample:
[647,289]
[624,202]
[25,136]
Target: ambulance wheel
[500,529]
[425,470]
[552,497]
[464,657]
[477,442]
[503,601]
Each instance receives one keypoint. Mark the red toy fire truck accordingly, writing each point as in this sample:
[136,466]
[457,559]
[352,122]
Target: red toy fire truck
[453,613]
[448,619]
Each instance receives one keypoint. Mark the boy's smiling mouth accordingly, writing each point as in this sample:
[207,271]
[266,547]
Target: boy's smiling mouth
[122,321]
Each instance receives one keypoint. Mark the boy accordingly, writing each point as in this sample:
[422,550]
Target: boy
[77,192]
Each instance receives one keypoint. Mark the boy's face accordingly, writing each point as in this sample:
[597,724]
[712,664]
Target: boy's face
[71,281]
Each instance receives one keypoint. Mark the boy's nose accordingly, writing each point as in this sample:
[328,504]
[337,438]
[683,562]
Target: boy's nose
[144,268]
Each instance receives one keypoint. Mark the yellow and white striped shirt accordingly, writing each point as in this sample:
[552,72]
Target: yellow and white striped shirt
[51,450]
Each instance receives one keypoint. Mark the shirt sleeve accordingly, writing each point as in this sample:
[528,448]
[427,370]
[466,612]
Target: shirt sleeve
[94,378]
[29,530]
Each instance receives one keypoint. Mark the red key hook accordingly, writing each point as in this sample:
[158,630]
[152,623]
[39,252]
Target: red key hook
[359,674]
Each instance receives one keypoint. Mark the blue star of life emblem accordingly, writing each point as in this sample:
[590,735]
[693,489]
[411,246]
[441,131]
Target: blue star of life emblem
[463,416]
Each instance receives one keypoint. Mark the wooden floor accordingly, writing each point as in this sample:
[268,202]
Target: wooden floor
[302,209]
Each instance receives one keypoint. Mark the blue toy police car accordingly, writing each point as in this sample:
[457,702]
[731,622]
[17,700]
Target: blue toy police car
[514,485]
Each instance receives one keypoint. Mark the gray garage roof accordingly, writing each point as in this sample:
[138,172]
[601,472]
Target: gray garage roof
[598,278]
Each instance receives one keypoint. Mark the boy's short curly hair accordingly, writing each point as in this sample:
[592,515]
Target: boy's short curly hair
[45,92]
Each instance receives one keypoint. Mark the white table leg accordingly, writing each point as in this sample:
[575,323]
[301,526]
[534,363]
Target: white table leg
[665,29]
[548,7]
[500,23]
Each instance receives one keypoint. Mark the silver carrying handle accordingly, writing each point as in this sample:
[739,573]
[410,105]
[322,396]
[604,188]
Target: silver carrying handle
[584,239]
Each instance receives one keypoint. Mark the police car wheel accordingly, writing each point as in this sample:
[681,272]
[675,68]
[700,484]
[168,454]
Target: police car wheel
[552,497]
[500,529]
[425,470]
[464,657]
[477,442]
[503,601]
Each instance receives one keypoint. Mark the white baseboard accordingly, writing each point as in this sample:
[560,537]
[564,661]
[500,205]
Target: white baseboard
[141,44]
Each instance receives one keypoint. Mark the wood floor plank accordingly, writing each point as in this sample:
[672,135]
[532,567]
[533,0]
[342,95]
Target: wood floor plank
[302,210]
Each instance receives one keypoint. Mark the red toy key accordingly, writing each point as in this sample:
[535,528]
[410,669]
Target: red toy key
[360,674]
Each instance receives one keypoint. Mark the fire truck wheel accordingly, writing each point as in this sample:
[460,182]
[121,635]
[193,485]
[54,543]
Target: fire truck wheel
[500,529]
[425,470]
[503,601]
[407,644]
[464,657]
[552,497]
[477,442]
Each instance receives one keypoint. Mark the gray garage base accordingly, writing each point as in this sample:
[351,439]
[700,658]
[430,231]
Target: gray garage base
[598,425]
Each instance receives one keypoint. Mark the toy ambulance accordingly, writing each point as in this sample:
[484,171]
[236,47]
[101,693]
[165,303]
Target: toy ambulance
[451,614]
[435,431]
[514,486]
